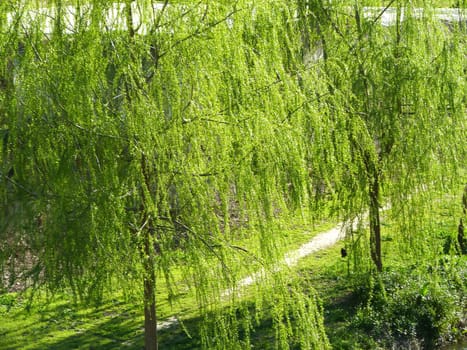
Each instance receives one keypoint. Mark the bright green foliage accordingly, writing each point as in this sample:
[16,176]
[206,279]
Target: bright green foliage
[126,155]
[130,158]
[395,99]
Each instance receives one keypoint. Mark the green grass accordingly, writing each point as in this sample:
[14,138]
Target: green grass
[60,325]
[117,322]
[343,289]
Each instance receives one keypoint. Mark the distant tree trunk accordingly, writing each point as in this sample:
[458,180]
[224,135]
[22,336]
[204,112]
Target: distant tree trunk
[150,319]
[375,224]
[464,200]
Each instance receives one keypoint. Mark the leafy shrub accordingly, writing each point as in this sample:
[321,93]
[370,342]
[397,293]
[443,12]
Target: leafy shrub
[399,306]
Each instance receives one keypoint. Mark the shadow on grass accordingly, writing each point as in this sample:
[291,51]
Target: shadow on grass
[121,333]
[62,326]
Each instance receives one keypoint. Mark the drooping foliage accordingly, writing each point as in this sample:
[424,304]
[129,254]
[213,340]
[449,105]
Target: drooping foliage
[135,151]
[395,97]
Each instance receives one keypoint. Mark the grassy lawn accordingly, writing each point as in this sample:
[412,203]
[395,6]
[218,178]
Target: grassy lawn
[118,324]
[57,323]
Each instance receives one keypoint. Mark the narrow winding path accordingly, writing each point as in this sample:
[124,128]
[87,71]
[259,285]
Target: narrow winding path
[320,241]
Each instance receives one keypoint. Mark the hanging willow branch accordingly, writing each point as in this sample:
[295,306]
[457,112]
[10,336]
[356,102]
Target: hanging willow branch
[141,182]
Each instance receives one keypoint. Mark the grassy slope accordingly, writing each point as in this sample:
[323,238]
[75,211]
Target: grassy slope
[117,324]
[59,324]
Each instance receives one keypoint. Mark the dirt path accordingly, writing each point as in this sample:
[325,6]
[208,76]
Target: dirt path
[321,241]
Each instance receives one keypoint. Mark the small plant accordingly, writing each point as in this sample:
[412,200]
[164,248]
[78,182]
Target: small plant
[7,301]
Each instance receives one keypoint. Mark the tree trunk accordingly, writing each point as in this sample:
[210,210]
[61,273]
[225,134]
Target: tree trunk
[375,224]
[150,319]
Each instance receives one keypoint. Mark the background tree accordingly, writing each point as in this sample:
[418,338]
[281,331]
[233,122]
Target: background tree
[128,157]
[396,104]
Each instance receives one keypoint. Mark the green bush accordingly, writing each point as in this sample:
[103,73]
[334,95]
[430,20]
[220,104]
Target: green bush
[399,306]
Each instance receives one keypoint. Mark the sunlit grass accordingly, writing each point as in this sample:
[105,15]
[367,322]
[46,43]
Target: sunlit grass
[117,321]
[61,325]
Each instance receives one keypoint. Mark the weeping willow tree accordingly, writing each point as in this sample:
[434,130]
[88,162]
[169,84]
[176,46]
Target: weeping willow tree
[136,137]
[395,100]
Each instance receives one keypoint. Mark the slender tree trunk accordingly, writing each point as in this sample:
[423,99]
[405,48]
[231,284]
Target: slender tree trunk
[375,224]
[149,258]
[372,169]
[129,19]
[150,319]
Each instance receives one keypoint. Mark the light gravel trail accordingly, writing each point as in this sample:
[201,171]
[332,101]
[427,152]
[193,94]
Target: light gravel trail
[321,241]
